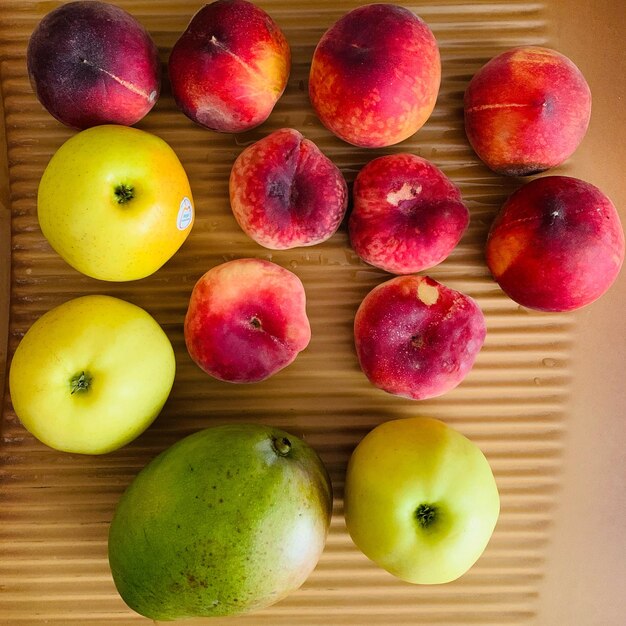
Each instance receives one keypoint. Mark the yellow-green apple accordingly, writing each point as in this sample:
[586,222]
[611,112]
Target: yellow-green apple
[375,75]
[246,320]
[556,245]
[527,110]
[230,66]
[420,500]
[228,520]
[284,192]
[417,338]
[115,202]
[91,374]
[92,63]
[408,215]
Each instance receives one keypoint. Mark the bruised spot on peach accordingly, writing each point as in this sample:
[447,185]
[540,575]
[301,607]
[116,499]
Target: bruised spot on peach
[406,192]
[375,75]
[556,245]
[526,110]
[428,294]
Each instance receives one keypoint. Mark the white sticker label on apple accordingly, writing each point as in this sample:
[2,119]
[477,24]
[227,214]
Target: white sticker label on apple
[185,214]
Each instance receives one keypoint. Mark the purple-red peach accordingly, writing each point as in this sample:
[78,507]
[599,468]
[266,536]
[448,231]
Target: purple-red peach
[284,192]
[527,110]
[92,63]
[246,320]
[417,338]
[375,75]
[230,67]
[556,245]
[408,215]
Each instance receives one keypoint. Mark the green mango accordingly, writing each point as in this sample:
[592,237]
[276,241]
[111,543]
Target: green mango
[228,520]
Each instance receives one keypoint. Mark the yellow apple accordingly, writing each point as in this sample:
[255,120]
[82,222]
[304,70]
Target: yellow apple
[115,203]
[420,500]
[91,374]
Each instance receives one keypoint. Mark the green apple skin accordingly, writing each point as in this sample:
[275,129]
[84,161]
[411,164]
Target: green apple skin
[127,366]
[226,521]
[420,500]
[115,203]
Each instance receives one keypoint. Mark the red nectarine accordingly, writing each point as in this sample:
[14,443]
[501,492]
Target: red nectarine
[92,63]
[556,245]
[527,110]
[375,75]
[230,66]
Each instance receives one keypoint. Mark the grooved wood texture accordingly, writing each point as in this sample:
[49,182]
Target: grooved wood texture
[55,508]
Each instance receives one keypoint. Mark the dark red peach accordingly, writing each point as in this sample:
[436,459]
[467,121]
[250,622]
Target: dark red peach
[92,63]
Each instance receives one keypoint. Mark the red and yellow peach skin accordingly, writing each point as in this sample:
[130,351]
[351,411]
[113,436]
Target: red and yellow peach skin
[375,75]
[284,192]
[527,110]
[417,338]
[407,215]
[230,67]
[556,245]
[246,320]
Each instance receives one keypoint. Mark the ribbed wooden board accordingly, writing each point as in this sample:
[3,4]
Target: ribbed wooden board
[55,508]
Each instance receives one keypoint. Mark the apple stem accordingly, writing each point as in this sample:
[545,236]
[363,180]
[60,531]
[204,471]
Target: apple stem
[124,193]
[282,445]
[80,382]
[426,514]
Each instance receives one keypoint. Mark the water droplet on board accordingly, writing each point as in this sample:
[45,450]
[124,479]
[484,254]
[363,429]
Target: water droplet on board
[293,264]
[550,362]
[537,381]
